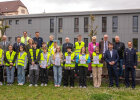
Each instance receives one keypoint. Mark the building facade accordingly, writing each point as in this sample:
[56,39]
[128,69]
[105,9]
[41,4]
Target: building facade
[124,23]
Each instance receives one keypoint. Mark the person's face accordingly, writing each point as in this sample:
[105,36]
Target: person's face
[117,39]
[105,38]
[79,38]
[37,34]
[51,38]
[21,48]
[30,41]
[55,43]
[129,44]
[67,40]
[94,40]
[69,50]
[18,40]
[43,45]
[34,45]
[10,48]
[83,49]
[58,49]
[4,38]
[25,34]
[44,50]
[97,49]
[110,46]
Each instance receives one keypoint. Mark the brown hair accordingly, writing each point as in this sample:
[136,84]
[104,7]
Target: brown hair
[60,53]
[85,50]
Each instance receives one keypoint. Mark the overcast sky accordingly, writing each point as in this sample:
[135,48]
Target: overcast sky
[39,6]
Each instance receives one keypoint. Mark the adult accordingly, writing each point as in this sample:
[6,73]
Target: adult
[78,45]
[25,38]
[111,57]
[103,46]
[130,63]
[38,39]
[66,44]
[91,48]
[50,44]
[4,43]
[17,44]
[120,47]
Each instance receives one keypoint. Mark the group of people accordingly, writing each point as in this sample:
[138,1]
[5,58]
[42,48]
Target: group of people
[38,57]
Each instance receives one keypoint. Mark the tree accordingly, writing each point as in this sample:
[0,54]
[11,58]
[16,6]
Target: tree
[93,31]
[3,27]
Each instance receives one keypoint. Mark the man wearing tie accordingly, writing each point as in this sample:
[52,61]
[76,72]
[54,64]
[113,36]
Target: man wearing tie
[111,57]
[17,44]
[130,63]
[4,43]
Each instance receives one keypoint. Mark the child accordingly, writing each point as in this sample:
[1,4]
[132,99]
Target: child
[43,46]
[97,68]
[83,59]
[57,68]
[34,58]
[44,67]
[10,58]
[69,59]
[1,65]
[21,65]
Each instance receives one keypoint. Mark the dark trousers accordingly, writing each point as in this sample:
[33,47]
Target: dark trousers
[82,75]
[112,72]
[133,75]
[68,74]
[44,75]
[76,68]
[1,73]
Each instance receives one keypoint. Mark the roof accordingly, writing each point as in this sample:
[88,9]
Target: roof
[83,13]
[10,6]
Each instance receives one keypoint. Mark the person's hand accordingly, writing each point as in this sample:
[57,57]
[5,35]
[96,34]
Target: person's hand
[64,59]
[0,64]
[110,63]
[10,67]
[41,66]
[11,64]
[123,66]
[135,67]
[113,62]
[46,66]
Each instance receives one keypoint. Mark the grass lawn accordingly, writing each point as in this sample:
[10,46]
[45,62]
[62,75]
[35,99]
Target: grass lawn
[16,92]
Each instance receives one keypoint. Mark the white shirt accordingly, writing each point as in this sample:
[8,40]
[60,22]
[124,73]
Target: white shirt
[105,48]
[111,53]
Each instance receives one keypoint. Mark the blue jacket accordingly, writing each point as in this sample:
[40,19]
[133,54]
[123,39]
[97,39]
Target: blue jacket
[108,58]
[130,58]
[77,59]
[39,41]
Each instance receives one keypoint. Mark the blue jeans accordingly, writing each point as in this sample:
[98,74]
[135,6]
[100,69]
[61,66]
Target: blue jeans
[57,70]
[120,67]
[10,74]
[21,74]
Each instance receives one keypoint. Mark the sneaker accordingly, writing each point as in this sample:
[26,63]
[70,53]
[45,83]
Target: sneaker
[1,83]
[55,85]
[80,86]
[45,85]
[90,75]
[42,84]
[36,85]
[71,87]
[58,85]
[84,87]
[30,85]
[18,83]
[21,83]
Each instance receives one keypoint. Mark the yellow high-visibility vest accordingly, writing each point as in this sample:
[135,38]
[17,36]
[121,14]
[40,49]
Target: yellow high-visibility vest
[85,65]
[31,53]
[78,47]
[1,53]
[72,58]
[9,57]
[100,57]
[21,59]
[23,39]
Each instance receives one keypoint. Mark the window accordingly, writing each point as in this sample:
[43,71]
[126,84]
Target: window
[86,42]
[104,24]
[113,40]
[76,24]
[10,22]
[86,24]
[29,21]
[60,40]
[51,25]
[9,38]
[114,23]
[135,43]
[135,23]
[75,40]
[17,22]
[23,11]
[60,25]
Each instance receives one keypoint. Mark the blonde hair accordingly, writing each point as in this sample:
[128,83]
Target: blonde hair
[60,53]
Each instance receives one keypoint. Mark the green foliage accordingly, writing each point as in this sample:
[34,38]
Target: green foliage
[101,96]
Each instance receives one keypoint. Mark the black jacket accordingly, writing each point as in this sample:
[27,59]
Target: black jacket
[65,45]
[120,47]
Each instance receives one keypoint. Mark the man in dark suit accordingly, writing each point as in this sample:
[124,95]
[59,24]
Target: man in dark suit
[111,57]
[66,44]
[17,44]
[4,43]
[130,63]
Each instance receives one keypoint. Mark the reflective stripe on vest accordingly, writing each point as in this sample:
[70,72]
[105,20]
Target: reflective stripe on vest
[1,53]
[78,47]
[97,65]
[72,58]
[31,53]
[21,59]
[85,65]
[9,57]
[50,48]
